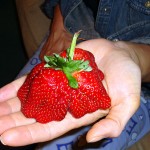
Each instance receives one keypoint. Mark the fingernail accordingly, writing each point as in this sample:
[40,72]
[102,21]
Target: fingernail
[95,139]
[2,141]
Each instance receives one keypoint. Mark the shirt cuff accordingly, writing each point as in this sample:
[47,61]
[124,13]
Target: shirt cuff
[142,40]
[48,7]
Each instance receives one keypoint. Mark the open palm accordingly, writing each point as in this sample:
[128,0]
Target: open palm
[122,82]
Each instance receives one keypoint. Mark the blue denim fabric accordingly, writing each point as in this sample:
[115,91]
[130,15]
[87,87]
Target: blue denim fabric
[48,7]
[127,20]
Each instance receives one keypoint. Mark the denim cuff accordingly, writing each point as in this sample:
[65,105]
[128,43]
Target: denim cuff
[143,40]
[48,7]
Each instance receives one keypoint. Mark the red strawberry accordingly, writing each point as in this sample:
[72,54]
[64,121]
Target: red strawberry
[90,96]
[46,96]
[70,82]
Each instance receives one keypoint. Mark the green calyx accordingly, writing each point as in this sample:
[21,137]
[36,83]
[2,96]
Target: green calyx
[68,65]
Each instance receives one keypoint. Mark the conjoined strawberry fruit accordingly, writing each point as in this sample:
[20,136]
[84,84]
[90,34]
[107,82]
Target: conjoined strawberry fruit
[69,82]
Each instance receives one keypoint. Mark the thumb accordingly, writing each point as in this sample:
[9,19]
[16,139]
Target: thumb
[10,90]
[114,123]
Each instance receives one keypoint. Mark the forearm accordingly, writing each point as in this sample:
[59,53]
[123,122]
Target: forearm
[58,39]
[57,22]
[141,55]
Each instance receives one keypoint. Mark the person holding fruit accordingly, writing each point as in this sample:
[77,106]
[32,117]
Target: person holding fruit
[121,50]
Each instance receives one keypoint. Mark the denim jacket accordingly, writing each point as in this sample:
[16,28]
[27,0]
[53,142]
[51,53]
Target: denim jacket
[126,20]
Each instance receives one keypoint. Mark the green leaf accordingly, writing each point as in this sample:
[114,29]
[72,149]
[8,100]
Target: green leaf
[89,68]
[47,66]
[68,65]
[60,61]
[51,60]
[46,59]
[72,81]
[85,66]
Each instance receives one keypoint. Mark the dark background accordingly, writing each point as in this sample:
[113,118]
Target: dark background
[12,52]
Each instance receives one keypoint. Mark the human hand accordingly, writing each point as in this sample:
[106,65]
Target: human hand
[122,82]
[14,126]
[120,65]
[56,42]
[59,39]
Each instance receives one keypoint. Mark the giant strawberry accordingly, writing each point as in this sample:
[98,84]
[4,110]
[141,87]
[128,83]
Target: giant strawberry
[69,82]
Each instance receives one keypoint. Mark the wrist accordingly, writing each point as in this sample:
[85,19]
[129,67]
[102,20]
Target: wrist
[139,53]
[57,22]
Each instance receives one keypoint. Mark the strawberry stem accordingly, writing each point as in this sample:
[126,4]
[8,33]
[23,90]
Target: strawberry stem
[68,65]
[73,45]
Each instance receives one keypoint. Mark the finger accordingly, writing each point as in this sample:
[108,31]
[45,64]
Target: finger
[10,90]
[32,134]
[14,120]
[10,106]
[37,132]
[114,123]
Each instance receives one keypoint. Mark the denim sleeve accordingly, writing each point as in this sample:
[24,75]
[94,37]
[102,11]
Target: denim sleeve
[48,7]
[143,40]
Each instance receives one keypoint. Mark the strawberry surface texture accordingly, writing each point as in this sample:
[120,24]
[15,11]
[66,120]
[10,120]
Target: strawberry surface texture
[68,82]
